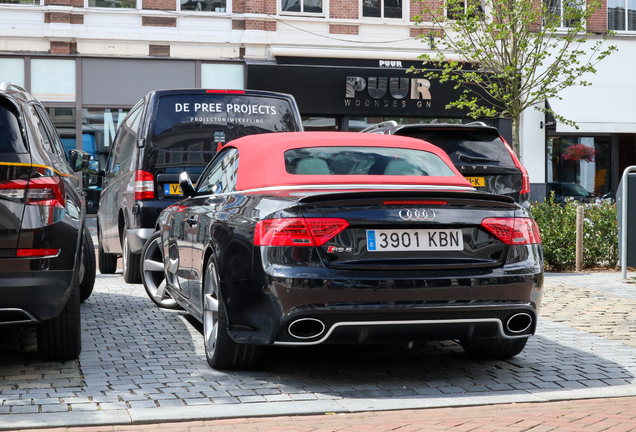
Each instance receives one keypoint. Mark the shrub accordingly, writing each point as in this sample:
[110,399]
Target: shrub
[558,232]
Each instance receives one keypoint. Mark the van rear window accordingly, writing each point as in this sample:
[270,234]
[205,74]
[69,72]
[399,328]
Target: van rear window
[10,136]
[199,123]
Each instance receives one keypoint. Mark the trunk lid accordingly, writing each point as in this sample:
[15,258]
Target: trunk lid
[411,230]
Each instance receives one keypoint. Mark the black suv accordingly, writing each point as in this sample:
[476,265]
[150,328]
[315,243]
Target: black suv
[47,258]
[166,133]
[478,151]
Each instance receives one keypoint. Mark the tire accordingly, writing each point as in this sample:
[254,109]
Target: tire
[88,259]
[60,338]
[107,262]
[130,262]
[500,350]
[153,274]
[221,351]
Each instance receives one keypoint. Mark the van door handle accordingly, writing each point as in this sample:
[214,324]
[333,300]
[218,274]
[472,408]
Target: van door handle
[192,221]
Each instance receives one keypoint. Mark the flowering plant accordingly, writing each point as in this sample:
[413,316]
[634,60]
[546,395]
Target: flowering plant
[577,152]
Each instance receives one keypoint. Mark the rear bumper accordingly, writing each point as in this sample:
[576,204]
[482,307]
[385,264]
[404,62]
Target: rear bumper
[33,295]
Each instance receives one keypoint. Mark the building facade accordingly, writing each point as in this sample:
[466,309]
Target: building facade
[345,61]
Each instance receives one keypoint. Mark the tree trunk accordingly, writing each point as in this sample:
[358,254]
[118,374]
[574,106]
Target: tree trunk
[516,135]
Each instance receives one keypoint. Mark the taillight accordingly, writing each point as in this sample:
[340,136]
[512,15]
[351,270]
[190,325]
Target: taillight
[525,178]
[37,252]
[226,91]
[144,185]
[40,191]
[513,231]
[297,231]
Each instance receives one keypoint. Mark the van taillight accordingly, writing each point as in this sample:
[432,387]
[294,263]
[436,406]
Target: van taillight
[144,185]
[513,231]
[40,191]
[525,178]
[297,231]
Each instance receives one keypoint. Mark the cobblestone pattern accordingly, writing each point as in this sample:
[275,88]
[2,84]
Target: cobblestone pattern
[136,355]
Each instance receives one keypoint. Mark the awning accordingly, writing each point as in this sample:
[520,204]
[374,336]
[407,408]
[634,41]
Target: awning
[597,109]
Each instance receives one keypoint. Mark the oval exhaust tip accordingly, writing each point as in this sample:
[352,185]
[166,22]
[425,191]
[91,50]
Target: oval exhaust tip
[519,323]
[306,328]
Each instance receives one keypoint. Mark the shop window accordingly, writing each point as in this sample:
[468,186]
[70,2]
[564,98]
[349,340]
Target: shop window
[222,76]
[382,8]
[320,124]
[204,5]
[21,2]
[53,80]
[302,6]
[563,13]
[621,15]
[578,167]
[12,70]
[121,4]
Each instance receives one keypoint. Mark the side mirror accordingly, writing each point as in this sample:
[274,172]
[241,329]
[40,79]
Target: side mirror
[79,159]
[186,184]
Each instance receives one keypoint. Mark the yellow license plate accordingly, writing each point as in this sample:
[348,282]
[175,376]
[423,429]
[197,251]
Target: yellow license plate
[172,189]
[477,181]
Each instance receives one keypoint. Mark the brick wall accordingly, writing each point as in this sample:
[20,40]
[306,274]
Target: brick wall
[159,50]
[77,19]
[598,21]
[60,18]
[254,6]
[238,25]
[159,5]
[344,9]
[260,25]
[158,22]
[61,48]
[238,6]
[344,29]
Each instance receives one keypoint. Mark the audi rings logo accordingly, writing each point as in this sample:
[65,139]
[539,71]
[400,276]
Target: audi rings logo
[417,214]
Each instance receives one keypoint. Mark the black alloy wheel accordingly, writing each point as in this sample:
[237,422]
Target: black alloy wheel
[153,273]
[220,350]
[130,262]
[88,266]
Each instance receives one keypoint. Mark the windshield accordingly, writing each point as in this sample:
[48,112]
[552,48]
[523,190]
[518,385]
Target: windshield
[365,161]
[466,147]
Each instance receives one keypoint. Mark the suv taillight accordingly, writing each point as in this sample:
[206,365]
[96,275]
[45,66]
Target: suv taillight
[297,231]
[513,231]
[40,191]
[525,185]
[144,185]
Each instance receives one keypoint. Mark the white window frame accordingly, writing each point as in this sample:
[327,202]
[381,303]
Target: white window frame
[561,23]
[405,12]
[138,6]
[626,22]
[325,4]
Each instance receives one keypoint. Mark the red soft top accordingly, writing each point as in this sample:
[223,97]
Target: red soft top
[262,162]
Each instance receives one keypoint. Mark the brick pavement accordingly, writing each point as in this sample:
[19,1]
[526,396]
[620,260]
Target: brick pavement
[143,364]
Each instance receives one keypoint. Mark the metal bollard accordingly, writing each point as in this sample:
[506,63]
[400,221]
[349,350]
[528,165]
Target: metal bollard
[579,238]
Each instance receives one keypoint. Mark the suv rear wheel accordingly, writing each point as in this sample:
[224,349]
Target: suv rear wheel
[130,262]
[60,338]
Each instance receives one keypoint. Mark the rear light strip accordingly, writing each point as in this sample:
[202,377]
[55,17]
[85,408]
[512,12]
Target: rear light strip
[297,231]
[144,186]
[513,231]
[37,253]
[415,202]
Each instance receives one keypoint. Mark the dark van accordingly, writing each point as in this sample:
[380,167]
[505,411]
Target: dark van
[166,133]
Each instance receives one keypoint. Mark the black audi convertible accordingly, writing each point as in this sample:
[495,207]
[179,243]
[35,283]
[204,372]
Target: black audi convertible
[308,238]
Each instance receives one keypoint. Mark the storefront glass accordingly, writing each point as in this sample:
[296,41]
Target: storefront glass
[576,165]
[222,76]
[53,80]
[99,126]
[320,124]
[12,70]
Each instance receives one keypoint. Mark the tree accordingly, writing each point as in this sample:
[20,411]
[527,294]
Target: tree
[509,55]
